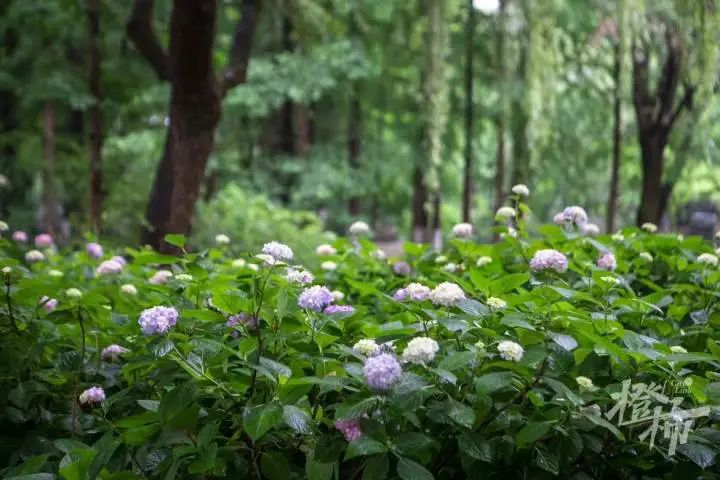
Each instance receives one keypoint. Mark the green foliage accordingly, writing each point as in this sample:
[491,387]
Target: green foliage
[216,399]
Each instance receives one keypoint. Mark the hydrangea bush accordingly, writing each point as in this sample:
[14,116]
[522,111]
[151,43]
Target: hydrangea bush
[132,364]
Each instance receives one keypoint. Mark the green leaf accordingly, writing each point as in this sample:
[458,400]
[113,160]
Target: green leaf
[176,239]
[275,466]
[508,283]
[149,405]
[474,445]
[491,382]
[457,360]
[297,419]
[412,443]
[363,446]
[162,347]
[376,467]
[461,414]
[260,419]
[176,400]
[702,455]
[409,470]
[531,432]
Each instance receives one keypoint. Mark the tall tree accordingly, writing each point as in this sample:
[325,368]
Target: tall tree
[656,113]
[50,219]
[467,198]
[195,102]
[93,19]
[501,118]
[613,191]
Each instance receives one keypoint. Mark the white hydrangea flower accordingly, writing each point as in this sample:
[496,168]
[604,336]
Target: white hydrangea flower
[222,239]
[55,273]
[450,267]
[590,229]
[521,189]
[34,256]
[253,267]
[267,259]
[4,226]
[420,350]
[496,303]
[7,270]
[707,259]
[610,280]
[441,259]
[585,384]
[73,293]
[379,255]
[446,294]
[337,295]
[618,237]
[329,266]
[366,347]
[505,212]
[325,249]
[649,227]
[677,349]
[510,351]
[301,277]
[239,263]
[278,251]
[484,260]
[462,230]
[183,277]
[646,256]
[417,291]
[160,277]
[359,228]
[128,289]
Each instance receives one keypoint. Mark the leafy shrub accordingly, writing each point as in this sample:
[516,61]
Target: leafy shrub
[514,380]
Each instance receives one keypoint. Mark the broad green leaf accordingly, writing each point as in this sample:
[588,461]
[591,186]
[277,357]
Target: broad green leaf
[363,446]
[260,419]
[409,470]
[531,432]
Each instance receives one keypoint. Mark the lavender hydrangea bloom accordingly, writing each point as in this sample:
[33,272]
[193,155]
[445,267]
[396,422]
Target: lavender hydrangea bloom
[246,319]
[111,352]
[94,249]
[108,267]
[157,320]
[549,259]
[330,309]
[315,298]
[119,259]
[349,428]
[48,304]
[607,261]
[382,372]
[279,251]
[402,268]
[92,395]
[400,294]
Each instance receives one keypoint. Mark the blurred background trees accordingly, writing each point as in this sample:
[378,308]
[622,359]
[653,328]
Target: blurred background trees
[127,117]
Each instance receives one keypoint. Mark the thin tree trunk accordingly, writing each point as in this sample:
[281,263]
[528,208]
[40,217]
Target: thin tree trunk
[469,114]
[50,220]
[354,145]
[420,216]
[520,153]
[617,142]
[501,121]
[93,14]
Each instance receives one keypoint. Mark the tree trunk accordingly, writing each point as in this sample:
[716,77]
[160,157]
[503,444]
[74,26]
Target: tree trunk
[651,151]
[501,121]
[354,146]
[469,115]
[420,216]
[520,153]
[194,106]
[159,203]
[50,220]
[93,14]
[617,141]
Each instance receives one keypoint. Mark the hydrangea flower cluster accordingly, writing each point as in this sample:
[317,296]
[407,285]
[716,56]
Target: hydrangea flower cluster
[366,347]
[337,295]
[34,256]
[484,260]
[359,228]
[590,229]
[446,294]
[119,259]
[44,240]
[462,230]
[415,292]
[549,259]
[19,236]
[350,428]
[128,289]
[48,304]
[646,256]
[420,350]
[315,298]
[247,320]
[401,268]
[73,292]
[585,384]
[222,239]
[300,277]
[510,351]
[382,372]
[496,303]
[108,267]
[649,227]
[329,266]
[521,189]
[707,259]
[277,250]
[157,320]
[505,212]
[92,395]
[607,262]
[325,249]
[572,214]
[94,249]
[112,352]
[330,309]
[160,277]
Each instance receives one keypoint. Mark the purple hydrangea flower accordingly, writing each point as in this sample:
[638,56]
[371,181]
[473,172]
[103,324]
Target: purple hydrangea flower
[315,298]
[108,267]
[401,268]
[400,294]
[607,261]
[330,309]
[92,395]
[119,259]
[246,319]
[549,259]
[382,372]
[157,320]
[349,428]
[111,352]
[94,249]
[48,304]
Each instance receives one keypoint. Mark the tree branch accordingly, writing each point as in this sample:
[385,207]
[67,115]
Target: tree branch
[685,102]
[644,103]
[236,69]
[140,31]
[670,77]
